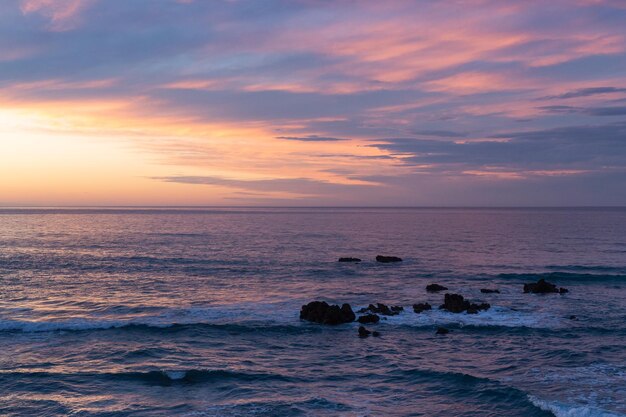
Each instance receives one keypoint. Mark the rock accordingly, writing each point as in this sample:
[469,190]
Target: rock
[482,306]
[382,309]
[369,318]
[387,259]
[349,260]
[488,291]
[543,287]
[573,317]
[363,332]
[456,303]
[421,307]
[472,310]
[435,288]
[323,313]
[375,334]
[442,330]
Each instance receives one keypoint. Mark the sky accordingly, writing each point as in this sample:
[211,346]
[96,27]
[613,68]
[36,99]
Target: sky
[313,102]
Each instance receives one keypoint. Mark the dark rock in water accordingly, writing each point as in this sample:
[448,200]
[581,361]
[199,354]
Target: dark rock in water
[435,288]
[573,318]
[369,318]
[456,303]
[363,332]
[488,291]
[442,330]
[421,307]
[543,287]
[472,310]
[388,259]
[375,333]
[349,260]
[382,309]
[323,313]
[482,306]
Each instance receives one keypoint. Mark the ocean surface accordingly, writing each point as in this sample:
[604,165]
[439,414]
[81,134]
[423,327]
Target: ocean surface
[153,312]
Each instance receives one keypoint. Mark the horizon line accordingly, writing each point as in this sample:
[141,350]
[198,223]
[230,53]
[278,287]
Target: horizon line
[52,207]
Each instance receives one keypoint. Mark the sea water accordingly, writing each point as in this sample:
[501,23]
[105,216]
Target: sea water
[195,312]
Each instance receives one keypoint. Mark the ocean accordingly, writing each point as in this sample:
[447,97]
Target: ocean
[195,312]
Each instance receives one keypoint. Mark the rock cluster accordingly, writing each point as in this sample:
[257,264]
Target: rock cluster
[382,309]
[455,303]
[324,313]
[543,287]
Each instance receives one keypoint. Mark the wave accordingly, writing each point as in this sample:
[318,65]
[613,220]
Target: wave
[567,410]
[283,323]
[159,377]
[494,317]
[597,268]
[565,276]
[277,317]
[271,407]
[78,325]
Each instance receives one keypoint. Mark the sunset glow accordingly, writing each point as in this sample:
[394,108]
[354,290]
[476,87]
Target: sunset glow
[312,103]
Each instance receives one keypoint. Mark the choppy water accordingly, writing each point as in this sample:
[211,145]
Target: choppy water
[195,312]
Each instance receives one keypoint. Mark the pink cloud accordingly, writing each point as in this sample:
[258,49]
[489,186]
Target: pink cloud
[63,14]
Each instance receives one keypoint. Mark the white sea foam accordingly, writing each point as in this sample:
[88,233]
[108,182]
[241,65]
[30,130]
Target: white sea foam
[495,316]
[277,314]
[567,410]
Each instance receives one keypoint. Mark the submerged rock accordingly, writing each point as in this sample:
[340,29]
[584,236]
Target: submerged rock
[442,330]
[489,291]
[456,303]
[369,318]
[323,313]
[382,309]
[387,259]
[363,332]
[421,307]
[543,287]
[435,288]
[349,260]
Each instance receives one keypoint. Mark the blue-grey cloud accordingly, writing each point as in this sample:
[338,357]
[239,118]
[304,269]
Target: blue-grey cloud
[440,133]
[586,92]
[594,147]
[591,111]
